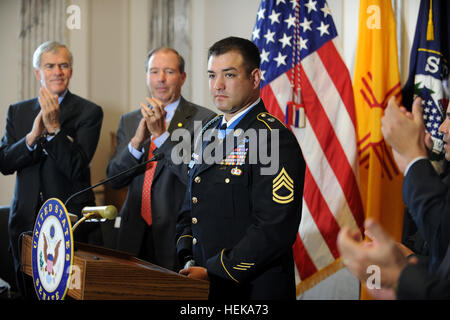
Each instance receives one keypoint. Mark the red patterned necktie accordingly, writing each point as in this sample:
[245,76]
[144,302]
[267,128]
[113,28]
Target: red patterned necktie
[146,206]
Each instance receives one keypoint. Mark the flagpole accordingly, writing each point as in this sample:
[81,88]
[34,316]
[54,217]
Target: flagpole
[397,6]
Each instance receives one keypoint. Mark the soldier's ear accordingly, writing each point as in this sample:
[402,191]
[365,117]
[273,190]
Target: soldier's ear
[255,76]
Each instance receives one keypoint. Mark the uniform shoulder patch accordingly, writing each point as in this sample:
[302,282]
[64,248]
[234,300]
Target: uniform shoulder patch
[283,188]
[269,120]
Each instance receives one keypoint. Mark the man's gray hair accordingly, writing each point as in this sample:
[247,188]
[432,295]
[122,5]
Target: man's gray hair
[49,46]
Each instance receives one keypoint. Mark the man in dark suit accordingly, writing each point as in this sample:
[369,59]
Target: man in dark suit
[427,197]
[241,213]
[49,143]
[396,276]
[147,132]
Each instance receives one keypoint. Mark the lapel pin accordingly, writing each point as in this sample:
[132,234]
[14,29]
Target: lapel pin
[236,171]
[238,132]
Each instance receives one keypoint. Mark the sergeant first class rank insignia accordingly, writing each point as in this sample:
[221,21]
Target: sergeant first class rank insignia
[52,251]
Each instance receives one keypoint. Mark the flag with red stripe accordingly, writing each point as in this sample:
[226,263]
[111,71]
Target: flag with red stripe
[306,84]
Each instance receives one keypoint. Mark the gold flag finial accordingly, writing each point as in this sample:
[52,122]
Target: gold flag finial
[430,28]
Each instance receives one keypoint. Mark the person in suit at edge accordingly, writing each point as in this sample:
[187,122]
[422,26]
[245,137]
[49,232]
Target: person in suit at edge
[427,197]
[239,222]
[160,187]
[49,142]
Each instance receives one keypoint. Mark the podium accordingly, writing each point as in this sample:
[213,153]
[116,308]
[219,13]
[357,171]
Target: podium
[104,274]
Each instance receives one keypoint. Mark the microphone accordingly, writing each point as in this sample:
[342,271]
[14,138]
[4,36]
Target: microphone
[156,157]
[106,212]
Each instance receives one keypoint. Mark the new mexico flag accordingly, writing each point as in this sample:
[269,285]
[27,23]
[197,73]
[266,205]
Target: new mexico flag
[376,80]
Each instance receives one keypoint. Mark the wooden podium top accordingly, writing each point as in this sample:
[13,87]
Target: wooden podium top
[99,273]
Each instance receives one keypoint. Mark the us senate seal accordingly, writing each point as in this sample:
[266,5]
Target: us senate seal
[52,251]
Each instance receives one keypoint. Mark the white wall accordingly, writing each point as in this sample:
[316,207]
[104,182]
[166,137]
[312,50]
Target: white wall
[9,68]
[110,48]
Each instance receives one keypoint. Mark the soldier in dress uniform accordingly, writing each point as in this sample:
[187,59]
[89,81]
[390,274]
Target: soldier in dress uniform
[240,217]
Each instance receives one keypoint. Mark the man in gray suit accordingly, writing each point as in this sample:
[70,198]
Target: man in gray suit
[155,192]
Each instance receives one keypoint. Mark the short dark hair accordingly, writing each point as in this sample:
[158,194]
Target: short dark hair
[153,51]
[248,50]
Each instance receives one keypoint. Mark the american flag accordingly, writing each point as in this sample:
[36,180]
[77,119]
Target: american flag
[303,71]
[433,108]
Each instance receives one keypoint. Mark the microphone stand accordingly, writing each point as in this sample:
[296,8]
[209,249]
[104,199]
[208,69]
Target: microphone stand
[157,157]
